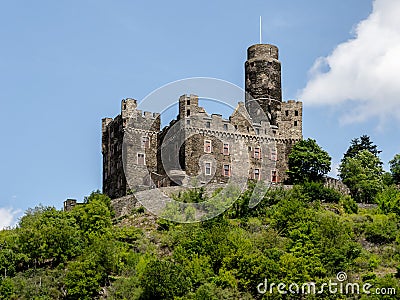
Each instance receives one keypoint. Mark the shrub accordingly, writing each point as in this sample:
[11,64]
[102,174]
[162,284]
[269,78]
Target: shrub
[382,230]
[163,279]
[349,205]
[317,191]
[389,200]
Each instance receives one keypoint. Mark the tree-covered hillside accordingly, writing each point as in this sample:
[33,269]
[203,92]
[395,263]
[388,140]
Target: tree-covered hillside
[307,234]
[292,236]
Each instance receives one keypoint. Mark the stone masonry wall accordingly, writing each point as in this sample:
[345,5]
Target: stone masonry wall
[177,153]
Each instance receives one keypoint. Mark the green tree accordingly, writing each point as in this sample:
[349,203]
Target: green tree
[316,191]
[6,288]
[382,229]
[83,279]
[395,168]
[387,179]
[358,144]
[46,234]
[164,279]
[389,200]
[94,217]
[363,175]
[11,257]
[99,197]
[308,162]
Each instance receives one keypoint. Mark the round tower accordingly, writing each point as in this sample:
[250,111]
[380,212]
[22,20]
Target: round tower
[263,82]
[263,72]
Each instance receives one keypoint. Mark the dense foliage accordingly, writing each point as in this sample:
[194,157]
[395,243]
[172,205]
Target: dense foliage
[305,234]
[395,168]
[308,162]
[358,144]
[363,175]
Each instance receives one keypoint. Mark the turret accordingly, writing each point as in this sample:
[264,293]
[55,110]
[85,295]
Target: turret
[263,82]
[263,72]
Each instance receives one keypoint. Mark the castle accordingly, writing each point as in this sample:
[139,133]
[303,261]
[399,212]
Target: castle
[198,147]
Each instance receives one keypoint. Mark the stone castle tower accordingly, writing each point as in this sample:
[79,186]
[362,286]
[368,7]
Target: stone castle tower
[203,147]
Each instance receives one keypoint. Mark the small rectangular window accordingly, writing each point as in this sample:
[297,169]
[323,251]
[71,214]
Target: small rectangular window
[225,149]
[207,146]
[274,155]
[296,113]
[274,176]
[140,159]
[257,131]
[145,142]
[208,124]
[257,152]
[225,126]
[188,102]
[207,168]
[188,112]
[286,113]
[295,123]
[187,122]
[227,170]
[256,174]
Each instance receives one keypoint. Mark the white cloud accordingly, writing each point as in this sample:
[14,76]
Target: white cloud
[364,71]
[7,217]
[334,170]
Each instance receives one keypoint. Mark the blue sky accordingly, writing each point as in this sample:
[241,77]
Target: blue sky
[64,65]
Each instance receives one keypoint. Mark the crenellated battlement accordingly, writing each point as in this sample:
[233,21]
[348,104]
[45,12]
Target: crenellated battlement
[129,108]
